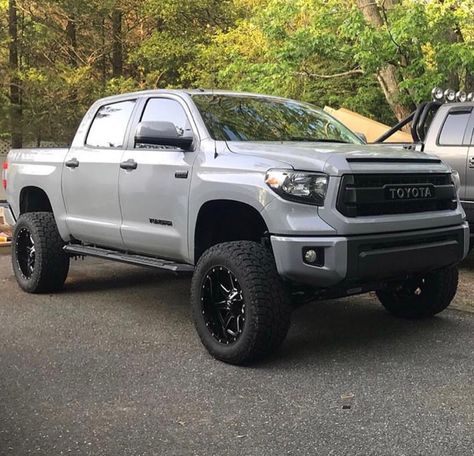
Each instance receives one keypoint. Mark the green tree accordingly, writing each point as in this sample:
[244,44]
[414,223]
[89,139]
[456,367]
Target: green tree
[379,58]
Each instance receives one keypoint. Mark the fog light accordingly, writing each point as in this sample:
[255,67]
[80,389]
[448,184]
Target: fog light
[314,256]
[310,256]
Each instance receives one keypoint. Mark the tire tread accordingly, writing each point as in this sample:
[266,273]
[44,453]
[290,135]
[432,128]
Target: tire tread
[271,316]
[52,261]
[442,289]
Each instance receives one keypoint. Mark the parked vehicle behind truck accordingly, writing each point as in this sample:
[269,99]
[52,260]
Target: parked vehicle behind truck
[445,127]
[264,199]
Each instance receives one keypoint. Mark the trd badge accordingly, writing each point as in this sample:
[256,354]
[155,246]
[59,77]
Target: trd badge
[154,221]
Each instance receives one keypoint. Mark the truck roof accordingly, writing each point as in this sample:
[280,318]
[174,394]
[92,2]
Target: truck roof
[186,92]
[468,104]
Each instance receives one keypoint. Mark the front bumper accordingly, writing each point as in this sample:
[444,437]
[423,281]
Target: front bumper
[369,258]
[9,217]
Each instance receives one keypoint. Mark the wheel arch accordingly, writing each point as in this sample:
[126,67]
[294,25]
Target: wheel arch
[34,199]
[225,220]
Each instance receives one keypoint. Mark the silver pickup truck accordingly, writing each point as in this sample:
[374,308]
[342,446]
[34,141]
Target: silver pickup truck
[266,200]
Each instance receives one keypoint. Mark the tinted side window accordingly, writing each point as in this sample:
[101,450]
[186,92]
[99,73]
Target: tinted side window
[166,110]
[452,133]
[109,125]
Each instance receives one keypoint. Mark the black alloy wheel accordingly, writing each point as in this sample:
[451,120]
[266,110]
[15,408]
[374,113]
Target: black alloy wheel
[238,302]
[223,305]
[39,262]
[410,288]
[26,253]
[421,297]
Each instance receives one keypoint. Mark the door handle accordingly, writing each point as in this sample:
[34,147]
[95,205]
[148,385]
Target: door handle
[471,162]
[73,163]
[129,165]
[181,174]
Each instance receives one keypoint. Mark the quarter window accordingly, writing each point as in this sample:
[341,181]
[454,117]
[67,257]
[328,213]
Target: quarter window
[452,133]
[109,125]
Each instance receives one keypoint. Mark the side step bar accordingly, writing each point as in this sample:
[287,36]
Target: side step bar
[139,260]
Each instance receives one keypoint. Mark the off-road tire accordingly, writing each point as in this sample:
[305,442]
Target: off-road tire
[436,292]
[51,264]
[267,313]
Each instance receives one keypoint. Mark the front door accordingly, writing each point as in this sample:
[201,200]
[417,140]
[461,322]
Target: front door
[469,197]
[154,192]
[90,178]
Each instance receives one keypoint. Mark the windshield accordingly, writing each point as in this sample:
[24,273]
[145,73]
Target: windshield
[250,118]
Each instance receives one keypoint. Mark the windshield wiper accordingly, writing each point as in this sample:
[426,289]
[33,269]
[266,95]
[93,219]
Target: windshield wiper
[298,138]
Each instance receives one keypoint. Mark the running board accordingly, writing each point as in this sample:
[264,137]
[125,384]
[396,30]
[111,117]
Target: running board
[139,260]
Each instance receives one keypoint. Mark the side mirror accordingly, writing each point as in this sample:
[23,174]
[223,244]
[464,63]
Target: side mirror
[361,136]
[161,134]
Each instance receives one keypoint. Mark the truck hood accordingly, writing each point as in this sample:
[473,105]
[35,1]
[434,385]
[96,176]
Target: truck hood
[337,159]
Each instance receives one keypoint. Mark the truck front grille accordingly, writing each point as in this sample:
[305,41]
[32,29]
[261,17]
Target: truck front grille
[381,194]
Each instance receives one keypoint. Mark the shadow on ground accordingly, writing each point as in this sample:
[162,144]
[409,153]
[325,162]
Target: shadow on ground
[319,329]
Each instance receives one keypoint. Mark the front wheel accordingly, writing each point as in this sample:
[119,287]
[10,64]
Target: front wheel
[39,262]
[421,297]
[238,302]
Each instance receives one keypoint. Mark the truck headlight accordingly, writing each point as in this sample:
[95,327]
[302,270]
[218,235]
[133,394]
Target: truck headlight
[298,186]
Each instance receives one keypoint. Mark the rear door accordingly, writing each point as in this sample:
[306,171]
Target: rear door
[452,145]
[90,177]
[154,196]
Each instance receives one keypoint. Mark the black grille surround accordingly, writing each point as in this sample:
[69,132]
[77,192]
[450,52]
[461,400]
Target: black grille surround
[366,194]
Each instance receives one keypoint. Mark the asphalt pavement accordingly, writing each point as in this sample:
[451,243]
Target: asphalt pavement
[112,366]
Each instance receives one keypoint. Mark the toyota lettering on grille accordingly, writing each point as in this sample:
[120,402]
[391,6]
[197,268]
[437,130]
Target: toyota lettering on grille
[409,192]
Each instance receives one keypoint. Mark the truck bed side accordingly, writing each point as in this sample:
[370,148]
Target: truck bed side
[37,170]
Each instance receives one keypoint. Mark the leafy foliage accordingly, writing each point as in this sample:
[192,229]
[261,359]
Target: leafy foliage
[321,51]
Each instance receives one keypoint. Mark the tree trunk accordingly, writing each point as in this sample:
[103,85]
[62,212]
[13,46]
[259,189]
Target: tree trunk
[71,35]
[387,75]
[117,47]
[16,111]
[103,60]
[459,78]
[454,77]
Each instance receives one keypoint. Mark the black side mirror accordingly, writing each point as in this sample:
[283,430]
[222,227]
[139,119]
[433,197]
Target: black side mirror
[162,134]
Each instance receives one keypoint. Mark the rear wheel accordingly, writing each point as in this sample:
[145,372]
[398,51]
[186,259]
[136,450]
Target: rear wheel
[39,263]
[421,297]
[238,302]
